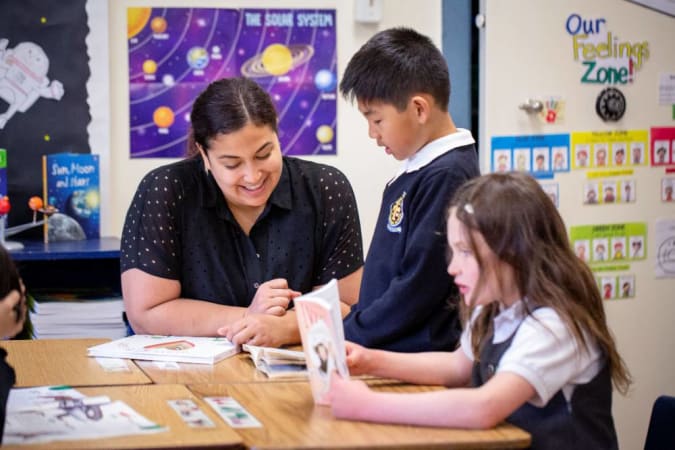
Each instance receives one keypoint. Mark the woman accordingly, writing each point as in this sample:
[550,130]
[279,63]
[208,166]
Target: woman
[221,242]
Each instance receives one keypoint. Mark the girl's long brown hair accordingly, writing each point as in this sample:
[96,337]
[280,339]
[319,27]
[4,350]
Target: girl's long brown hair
[521,225]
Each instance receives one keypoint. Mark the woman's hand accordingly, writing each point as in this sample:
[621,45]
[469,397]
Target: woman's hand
[265,330]
[272,297]
[12,313]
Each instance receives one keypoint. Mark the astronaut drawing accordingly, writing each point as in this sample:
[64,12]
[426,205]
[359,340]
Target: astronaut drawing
[23,78]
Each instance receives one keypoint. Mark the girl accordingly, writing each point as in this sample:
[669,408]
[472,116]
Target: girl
[536,350]
[12,317]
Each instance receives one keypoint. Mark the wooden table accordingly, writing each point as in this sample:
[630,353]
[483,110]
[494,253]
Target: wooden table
[235,369]
[291,420]
[44,362]
[151,402]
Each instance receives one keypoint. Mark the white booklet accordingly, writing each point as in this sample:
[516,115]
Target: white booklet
[188,349]
[277,362]
[323,341]
[56,413]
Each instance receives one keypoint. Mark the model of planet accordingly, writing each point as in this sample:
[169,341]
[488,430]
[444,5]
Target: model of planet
[64,228]
[276,60]
[163,117]
[158,25]
[324,134]
[5,205]
[324,80]
[35,203]
[197,58]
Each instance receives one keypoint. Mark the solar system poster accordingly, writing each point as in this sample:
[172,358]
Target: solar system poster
[174,53]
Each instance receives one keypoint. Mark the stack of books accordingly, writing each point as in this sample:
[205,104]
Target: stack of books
[77,314]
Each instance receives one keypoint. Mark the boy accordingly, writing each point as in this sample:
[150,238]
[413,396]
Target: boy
[407,302]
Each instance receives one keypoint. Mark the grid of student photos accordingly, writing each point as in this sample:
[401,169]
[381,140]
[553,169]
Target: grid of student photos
[608,249]
[589,155]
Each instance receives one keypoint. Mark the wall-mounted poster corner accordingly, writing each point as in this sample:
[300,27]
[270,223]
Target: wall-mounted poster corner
[540,155]
[174,53]
[662,6]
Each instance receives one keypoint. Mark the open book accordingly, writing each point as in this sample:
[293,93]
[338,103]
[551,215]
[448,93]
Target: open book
[322,333]
[199,350]
[277,362]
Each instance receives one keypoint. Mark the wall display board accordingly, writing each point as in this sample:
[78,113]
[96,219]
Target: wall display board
[609,62]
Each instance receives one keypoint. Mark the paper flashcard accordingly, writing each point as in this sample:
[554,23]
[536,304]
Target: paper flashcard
[663,146]
[667,185]
[607,287]
[614,245]
[608,149]
[232,412]
[552,190]
[581,249]
[191,413]
[541,155]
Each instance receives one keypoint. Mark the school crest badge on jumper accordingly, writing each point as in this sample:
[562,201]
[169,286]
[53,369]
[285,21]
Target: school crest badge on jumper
[396,215]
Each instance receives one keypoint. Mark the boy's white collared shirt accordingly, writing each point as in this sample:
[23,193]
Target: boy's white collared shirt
[433,150]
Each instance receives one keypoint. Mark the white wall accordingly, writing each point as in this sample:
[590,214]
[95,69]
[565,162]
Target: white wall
[367,166]
[529,55]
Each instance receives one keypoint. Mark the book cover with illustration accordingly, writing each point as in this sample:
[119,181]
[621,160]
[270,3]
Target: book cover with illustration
[323,341]
[71,185]
[189,349]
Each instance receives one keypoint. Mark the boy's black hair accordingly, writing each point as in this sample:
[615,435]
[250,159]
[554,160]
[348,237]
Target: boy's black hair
[394,65]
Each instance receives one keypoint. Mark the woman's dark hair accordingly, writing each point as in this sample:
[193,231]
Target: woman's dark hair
[226,106]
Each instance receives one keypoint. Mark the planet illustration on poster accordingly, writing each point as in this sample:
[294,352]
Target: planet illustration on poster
[325,80]
[137,18]
[197,58]
[158,25]
[163,117]
[149,67]
[324,134]
[276,60]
